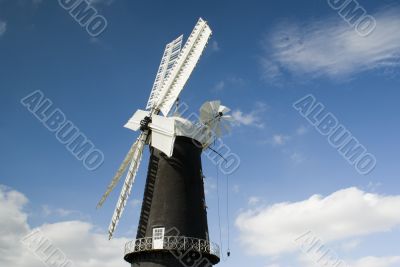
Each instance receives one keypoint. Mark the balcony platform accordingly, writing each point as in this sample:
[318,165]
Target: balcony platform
[178,246]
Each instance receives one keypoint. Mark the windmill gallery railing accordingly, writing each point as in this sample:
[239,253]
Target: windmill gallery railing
[174,243]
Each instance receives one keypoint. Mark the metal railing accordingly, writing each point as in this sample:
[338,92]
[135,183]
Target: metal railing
[175,243]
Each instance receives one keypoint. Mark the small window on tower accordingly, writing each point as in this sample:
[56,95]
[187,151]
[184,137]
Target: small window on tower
[158,238]
[158,233]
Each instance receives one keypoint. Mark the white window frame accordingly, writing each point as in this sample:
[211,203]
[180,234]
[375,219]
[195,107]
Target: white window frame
[158,237]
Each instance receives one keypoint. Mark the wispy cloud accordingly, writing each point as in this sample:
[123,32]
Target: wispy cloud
[279,139]
[60,212]
[219,86]
[232,81]
[253,200]
[329,47]
[252,118]
[297,157]
[3,27]
[301,130]
[376,262]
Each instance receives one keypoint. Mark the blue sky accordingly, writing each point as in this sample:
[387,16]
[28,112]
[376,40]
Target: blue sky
[262,57]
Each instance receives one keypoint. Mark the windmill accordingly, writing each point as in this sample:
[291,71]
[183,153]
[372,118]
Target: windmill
[214,116]
[174,191]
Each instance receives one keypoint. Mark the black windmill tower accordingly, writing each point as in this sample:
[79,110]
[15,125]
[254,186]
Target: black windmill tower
[173,229]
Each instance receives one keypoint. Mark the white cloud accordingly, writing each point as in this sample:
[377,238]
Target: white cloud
[3,27]
[244,119]
[253,118]
[270,68]
[350,245]
[81,241]
[370,261]
[376,262]
[373,186]
[279,139]
[60,212]
[329,47]
[344,214]
[65,212]
[254,200]
[219,86]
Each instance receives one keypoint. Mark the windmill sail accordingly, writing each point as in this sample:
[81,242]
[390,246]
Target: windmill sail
[186,62]
[119,173]
[168,60]
[129,180]
[213,115]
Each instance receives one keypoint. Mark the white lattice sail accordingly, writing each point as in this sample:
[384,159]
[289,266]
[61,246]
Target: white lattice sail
[185,64]
[168,61]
